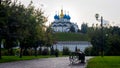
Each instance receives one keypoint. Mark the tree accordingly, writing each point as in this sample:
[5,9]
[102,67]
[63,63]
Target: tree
[0,50]
[88,51]
[72,29]
[23,24]
[84,28]
[112,41]
[39,28]
[114,45]
[4,6]
[0,32]
[66,51]
[96,41]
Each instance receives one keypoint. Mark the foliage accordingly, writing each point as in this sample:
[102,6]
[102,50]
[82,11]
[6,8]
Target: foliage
[84,28]
[66,50]
[104,62]
[108,41]
[23,25]
[72,29]
[96,41]
[45,51]
[88,51]
[113,45]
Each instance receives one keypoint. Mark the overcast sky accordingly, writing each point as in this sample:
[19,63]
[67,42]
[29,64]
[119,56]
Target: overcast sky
[81,10]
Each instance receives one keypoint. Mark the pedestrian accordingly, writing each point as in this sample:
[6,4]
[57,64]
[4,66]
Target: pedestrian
[81,56]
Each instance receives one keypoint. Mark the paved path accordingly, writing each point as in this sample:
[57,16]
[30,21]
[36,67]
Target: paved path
[60,62]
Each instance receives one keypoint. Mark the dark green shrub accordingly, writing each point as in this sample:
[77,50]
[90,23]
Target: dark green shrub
[88,51]
[45,51]
[66,51]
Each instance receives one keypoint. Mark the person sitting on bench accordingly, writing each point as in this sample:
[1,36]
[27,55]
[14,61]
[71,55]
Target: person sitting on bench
[81,56]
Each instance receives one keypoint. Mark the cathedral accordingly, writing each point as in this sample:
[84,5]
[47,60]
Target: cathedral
[62,23]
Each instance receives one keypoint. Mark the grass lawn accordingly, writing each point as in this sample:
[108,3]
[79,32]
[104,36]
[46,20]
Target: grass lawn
[105,62]
[71,37]
[16,58]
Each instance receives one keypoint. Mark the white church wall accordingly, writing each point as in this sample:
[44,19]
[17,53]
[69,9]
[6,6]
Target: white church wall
[71,45]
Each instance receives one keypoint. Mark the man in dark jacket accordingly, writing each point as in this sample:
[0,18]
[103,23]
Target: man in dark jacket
[81,56]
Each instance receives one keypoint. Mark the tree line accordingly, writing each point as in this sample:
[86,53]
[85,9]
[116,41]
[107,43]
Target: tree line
[106,40]
[23,26]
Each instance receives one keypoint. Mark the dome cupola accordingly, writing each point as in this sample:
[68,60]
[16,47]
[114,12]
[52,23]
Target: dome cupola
[68,17]
[65,16]
[56,17]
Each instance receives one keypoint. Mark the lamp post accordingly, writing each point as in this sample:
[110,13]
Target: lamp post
[100,19]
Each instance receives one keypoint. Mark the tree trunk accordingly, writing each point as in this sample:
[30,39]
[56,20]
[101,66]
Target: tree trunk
[25,51]
[8,52]
[11,52]
[35,51]
[0,40]
[40,51]
[0,51]
[21,52]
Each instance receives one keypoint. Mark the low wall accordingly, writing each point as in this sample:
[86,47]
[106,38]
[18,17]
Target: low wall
[72,44]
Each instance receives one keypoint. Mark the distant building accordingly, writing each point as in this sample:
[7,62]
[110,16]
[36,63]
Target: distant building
[62,23]
[72,45]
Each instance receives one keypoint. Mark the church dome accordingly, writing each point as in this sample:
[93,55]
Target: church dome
[65,16]
[68,17]
[56,17]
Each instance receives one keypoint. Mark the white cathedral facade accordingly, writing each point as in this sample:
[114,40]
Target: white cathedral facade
[62,23]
